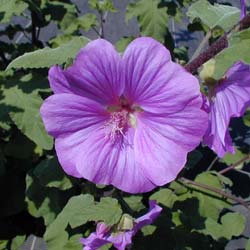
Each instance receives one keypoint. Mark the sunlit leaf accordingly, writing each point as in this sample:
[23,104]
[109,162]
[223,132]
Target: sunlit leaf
[217,15]
[27,116]
[152,19]
[46,57]
[11,8]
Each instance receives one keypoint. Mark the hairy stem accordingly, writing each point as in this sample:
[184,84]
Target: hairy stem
[103,18]
[216,47]
[215,190]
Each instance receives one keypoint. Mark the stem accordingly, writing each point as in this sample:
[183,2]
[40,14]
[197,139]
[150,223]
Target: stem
[202,45]
[96,31]
[217,46]
[215,190]
[235,165]
[213,50]
[212,163]
[103,20]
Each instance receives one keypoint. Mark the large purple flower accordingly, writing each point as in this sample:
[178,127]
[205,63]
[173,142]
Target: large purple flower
[124,233]
[127,121]
[229,98]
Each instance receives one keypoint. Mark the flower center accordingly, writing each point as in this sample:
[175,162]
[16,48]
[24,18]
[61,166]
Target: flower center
[122,116]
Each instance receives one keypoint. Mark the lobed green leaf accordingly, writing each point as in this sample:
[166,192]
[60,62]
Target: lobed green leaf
[46,57]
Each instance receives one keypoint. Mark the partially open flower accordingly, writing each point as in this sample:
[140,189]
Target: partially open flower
[127,121]
[126,229]
[229,98]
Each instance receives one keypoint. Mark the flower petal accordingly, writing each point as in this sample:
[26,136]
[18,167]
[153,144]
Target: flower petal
[93,242]
[67,113]
[101,160]
[148,218]
[96,73]
[153,81]
[58,82]
[64,114]
[163,141]
[231,100]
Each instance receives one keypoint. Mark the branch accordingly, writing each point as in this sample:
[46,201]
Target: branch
[215,190]
[217,46]
[234,165]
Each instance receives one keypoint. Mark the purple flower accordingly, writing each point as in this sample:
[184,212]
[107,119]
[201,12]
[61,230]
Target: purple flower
[123,236]
[229,98]
[127,121]
[243,9]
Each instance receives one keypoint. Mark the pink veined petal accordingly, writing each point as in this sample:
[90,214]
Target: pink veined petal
[232,97]
[96,73]
[67,113]
[163,141]
[153,81]
[64,114]
[101,160]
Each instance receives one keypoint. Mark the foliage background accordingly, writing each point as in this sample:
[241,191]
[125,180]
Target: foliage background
[42,206]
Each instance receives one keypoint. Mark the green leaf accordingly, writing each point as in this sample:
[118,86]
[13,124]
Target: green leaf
[238,42]
[230,159]
[134,202]
[107,210]
[46,57]
[148,230]
[79,210]
[73,243]
[232,224]
[11,8]
[152,19]
[246,118]
[164,196]
[3,244]
[247,245]
[27,117]
[235,219]
[102,5]
[43,202]
[84,22]
[211,204]
[17,242]
[87,21]
[74,206]
[50,174]
[122,44]
[217,15]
